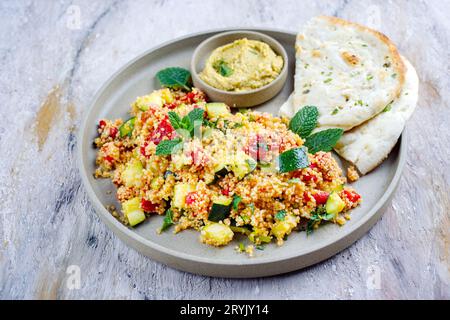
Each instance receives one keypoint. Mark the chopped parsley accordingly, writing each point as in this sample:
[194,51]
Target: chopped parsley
[222,68]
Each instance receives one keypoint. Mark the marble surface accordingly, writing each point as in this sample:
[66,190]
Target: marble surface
[55,55]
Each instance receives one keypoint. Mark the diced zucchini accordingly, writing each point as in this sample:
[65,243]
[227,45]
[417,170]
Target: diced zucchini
[334,204]
[166,95]
[242,164]
[259,236]
[133,211]
[180,192]
[153,98]
[223,200]
[156,183]
[220,209]
[282,228]
[240,230]
[217,109]
[216,234]
[126,129]
[132,174]
[180,159]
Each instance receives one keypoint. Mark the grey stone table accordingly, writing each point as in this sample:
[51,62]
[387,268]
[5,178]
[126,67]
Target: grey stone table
[54,56]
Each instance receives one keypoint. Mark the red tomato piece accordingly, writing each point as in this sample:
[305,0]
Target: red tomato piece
[321,197]
[148,206]
[190,198]
[352,196]
[109,159]
[163,130]
[113,132]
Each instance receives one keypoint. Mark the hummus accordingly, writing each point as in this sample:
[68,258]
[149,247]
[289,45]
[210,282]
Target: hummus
[242,65]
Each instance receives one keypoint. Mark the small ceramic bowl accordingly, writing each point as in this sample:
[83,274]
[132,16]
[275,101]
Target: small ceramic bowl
[248,98]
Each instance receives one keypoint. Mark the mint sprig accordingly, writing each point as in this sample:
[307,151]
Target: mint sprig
[175,78]
[167,147]
[304,121]
[168,221]
[189,122]
[323,140]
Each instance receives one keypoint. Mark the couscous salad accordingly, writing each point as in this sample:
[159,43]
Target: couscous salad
[222,173]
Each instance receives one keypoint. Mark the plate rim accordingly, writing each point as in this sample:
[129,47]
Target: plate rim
[116,227]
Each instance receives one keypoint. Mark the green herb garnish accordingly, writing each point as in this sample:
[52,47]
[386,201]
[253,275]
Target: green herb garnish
[280,215]
[323,140]
[168,221]
[189,122]
[236,200]
[166,147]
[293,159]
[316,217]
[222,67]
[388,107]
[175,78]
[304,121]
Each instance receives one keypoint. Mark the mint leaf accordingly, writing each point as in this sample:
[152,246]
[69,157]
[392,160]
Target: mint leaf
[280,215]
[222,68]
[175,120]
[323,140]
[186,123]
[293,159]
[168,221]
[304,121]
[175,78]
[236,200]
[167,147]
[196,115]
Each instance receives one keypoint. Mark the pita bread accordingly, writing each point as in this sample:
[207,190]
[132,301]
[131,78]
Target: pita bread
[367,145]
[348,71]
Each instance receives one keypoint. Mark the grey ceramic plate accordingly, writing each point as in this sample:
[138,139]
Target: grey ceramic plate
[183,251]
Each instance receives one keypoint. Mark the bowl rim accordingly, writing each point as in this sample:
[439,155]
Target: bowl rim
[280,49]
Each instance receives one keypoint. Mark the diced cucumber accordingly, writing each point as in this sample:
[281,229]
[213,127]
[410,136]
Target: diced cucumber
[216,234]
[240,230]
[155,184]
[217,110]
[258,236]
[135,217]
[334,204]
[132,174]
[283,227]
[166,95]
[223,200]
[242,164]
[180,192]
[126,129]
[133,211]
[153,98]
[220,209]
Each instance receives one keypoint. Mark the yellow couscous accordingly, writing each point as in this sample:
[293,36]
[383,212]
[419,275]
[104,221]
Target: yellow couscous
[218,172]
